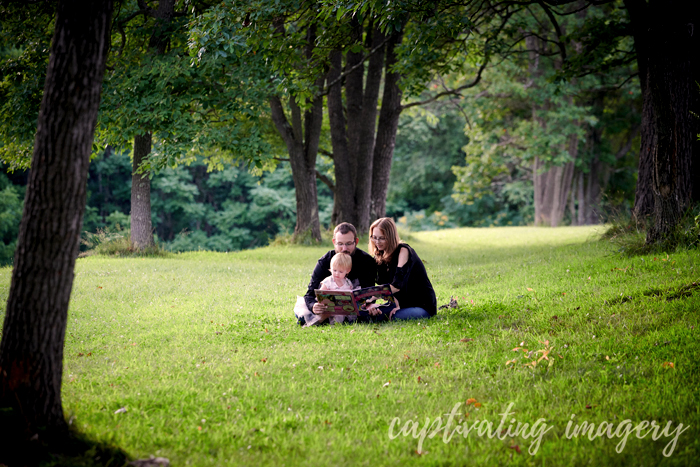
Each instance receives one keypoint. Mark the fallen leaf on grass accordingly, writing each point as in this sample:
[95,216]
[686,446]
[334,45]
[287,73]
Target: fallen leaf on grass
[121,410]
[466,339]
[80,354]
[419,379]
[516,447]
[386,384]
[529,289]
[477,404]
[510,362]
[588,406]
[437,364]
[470,401]
[668,365]
[264,360]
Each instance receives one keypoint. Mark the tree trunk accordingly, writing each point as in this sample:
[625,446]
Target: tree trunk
[31,351]
[302,157]
[671,90]
[663,36]
[344,182]
[386,133]
[141,225]
[368,121]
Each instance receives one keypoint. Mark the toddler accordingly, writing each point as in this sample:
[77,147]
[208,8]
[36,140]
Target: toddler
[341,265]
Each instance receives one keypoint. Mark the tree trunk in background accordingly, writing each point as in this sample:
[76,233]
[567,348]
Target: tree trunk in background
[386,132]
[363,147]
[344,200]
[31,351]
[302,147]
[141,226]
[368,121]
[552,188]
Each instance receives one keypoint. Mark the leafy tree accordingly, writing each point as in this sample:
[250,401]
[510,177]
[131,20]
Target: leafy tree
[31,350]
[154,97]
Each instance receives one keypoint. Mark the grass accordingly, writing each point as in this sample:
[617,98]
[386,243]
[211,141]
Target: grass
[203,352]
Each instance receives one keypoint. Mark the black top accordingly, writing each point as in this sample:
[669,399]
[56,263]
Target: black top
[362,274]
[411,279]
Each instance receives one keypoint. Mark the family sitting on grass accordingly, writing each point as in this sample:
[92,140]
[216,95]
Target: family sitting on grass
[346,267]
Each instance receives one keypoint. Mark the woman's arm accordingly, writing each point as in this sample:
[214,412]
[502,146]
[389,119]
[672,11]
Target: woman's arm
[403,259]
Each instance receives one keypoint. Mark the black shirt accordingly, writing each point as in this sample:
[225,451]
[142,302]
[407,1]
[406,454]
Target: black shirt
[411,279]
[363,272]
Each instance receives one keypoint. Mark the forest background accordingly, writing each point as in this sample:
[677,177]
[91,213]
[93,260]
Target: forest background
[470,157]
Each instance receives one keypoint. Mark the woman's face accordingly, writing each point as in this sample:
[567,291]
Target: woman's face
[378,238]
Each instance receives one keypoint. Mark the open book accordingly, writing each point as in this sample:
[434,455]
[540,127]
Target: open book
[350,302]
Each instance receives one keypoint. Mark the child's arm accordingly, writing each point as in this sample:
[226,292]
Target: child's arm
[323,287]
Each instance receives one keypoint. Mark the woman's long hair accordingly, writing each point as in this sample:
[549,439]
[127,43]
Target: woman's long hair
[387,226]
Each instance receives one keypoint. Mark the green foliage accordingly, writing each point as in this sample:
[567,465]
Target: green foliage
[204,354]
[195,209]
[25,36]
[11,205]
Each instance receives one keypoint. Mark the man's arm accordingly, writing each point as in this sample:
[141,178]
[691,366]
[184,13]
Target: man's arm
[321,271]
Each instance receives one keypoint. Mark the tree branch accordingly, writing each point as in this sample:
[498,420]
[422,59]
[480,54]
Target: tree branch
[554,22]
[327,181]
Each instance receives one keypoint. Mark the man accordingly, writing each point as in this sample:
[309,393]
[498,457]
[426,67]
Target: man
[364,268]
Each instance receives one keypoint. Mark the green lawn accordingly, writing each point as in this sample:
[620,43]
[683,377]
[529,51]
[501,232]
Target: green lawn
[204,353]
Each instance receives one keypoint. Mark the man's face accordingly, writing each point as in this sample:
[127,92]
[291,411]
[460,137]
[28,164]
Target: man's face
[344,243]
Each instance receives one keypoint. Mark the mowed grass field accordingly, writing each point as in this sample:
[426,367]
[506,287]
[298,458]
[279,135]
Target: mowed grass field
[204,354]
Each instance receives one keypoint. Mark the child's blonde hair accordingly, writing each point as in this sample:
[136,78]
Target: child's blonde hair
[342,260]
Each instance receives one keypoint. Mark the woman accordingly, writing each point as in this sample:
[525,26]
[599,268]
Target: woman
[399,265]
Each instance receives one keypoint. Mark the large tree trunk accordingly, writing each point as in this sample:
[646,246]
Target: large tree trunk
[344,201]
[141,226]
[664,38]
[386,133]
[368,121]
[363,147]
[31,352]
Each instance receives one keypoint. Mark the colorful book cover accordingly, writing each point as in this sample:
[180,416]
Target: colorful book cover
[350,302]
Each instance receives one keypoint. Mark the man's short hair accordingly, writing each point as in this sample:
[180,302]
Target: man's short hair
[342,261]
[345,227]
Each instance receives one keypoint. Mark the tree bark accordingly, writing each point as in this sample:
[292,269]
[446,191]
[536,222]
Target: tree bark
[141,224]
[368,121]
[31,351]
[344,200]
[664,33]
[386,134]
[302,147]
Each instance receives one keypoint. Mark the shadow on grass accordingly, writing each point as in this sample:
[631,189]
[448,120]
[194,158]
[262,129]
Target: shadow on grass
[65,449]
